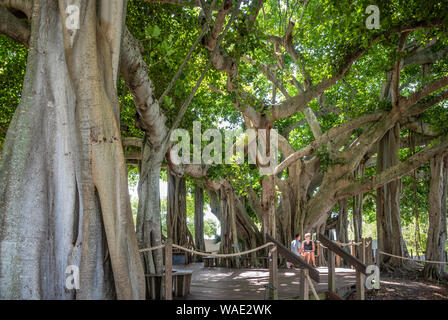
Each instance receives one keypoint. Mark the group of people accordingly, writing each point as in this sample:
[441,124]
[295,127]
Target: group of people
[304,249]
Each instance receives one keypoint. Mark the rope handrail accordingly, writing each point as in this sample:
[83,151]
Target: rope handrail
[223,255]
[206,254]
[411,259]
[152,248]
[348,244]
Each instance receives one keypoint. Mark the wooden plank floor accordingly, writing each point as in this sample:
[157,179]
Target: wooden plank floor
[248,284]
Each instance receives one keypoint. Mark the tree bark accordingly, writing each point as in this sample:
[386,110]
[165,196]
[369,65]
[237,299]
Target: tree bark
[63,179]
[268,206]
[247,230]
[199,218]
[176,219]
[435,245]
[357,207]
[149,226]
[342,222]
[229,236]
[390,238]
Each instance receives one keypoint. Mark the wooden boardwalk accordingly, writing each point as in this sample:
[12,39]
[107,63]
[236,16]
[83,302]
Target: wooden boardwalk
[248,284]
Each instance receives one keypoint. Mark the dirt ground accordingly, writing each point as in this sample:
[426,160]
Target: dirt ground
[395,288]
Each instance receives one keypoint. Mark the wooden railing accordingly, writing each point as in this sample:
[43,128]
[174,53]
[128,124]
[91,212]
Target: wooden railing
[360,267]
[306,270]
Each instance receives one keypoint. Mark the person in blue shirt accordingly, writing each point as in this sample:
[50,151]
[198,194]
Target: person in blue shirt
[296,248]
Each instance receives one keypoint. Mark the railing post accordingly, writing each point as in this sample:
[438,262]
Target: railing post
[369,258]
[318,260]
[331,272]
[304,286]
[352,250]
[338,261]
[273,273]
[169,269]
[360,278]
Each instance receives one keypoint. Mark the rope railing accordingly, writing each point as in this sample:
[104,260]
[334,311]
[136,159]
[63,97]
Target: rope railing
[152,248]
[206,254]
[384,253]
[412,259]
[240,253]
[223,255]
[349,244]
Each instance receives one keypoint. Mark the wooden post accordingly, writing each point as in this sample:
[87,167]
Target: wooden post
[352,250]
[331,272]
[377,257]
[363,251]
[322,260]
[338,261]
[304,285]
[361,278]
[273,274]
[169,269]
[318,254]
[369,258]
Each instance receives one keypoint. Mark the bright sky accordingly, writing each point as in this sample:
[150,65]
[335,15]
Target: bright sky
[163,194]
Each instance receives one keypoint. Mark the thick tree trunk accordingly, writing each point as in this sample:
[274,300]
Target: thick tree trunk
[268,206]
[64,197]
[436,242]
[199,218]
[390,238]
[357,208]
[229,237]
[284,218]
[342,222]
[176,218]
[215,202]
[149,226]
[254,237]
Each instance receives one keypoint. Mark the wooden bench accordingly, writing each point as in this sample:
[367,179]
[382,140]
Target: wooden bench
[182,282]
[209,262]
[153,286]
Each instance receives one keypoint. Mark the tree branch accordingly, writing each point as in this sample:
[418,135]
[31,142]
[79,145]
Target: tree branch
[408,102]
[135,72]
[395,85]
[395,172]
[13,27]
[327,137]
[25,6]
[428,55]
[271,77]
[189,54]
[192,3]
